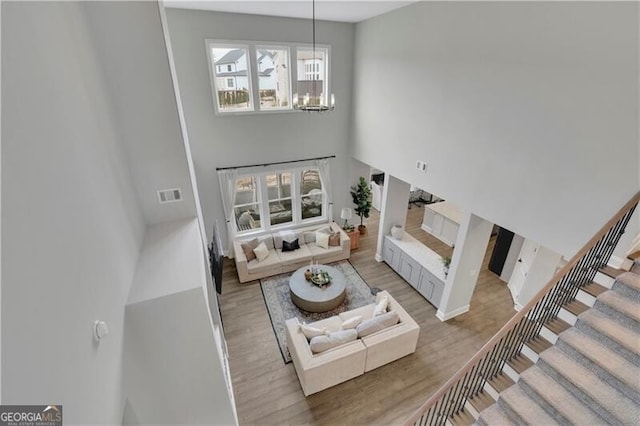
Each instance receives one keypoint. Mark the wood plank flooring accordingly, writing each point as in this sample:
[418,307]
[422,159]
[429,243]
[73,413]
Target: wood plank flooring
[267,391]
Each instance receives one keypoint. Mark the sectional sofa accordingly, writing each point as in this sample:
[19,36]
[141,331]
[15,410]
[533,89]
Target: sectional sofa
[278,262]
[322,370]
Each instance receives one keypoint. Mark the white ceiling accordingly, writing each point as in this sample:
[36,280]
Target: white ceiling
[328,10]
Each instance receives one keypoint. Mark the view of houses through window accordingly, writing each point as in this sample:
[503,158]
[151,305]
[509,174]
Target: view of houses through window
[292,197]
[233,80]
[312,74]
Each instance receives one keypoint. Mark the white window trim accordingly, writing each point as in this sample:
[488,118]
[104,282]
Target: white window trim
[296,197]
[253,68]
[212,75]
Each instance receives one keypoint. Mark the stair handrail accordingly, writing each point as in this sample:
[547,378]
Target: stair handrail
[627,209]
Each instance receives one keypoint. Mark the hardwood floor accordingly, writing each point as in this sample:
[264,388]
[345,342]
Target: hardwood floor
[267,391]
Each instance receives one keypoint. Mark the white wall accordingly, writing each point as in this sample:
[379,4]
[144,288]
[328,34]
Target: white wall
[129,43]
[526,112]
[219,141]
[72,226]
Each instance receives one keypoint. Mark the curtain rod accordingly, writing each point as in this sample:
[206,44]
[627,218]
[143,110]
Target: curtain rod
[275,163]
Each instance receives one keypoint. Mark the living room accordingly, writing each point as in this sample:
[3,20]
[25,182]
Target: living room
[525,114]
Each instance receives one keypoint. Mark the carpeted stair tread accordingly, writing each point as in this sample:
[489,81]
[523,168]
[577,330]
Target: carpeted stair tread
[608,399]
[621,304]
[594,289]
[605,358]
[495,416]
[630,279]
[624,336]
[526,408]
[636,267]
[559,398]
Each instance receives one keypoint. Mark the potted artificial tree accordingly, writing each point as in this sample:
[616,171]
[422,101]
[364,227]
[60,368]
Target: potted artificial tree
[361,195]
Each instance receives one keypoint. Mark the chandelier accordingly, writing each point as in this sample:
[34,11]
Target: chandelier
[317,104]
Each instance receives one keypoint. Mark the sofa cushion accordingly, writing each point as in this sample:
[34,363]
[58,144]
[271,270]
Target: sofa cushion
[332,323]
[287,235]
[377,323]
[267,240]
[351,322]
[365,312]
[381,306]
[323,343]
[271,264]
[290,246]
[322,240]
[261,252]
[310,332]
[247,248]
[289,257]
[319,252]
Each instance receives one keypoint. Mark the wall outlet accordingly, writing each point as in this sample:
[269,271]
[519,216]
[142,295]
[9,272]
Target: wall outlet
[421,166]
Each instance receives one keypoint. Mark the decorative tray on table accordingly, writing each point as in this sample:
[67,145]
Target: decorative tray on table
[321,278]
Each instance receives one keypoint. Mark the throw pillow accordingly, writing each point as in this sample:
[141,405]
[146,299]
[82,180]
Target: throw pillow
[378,323]
[351,323]
[288,236]
[323,343]
[248,247]
[309,237]
[334,239]
[311,332]
[290,246]
[322,239]
[261,252]
[381,307]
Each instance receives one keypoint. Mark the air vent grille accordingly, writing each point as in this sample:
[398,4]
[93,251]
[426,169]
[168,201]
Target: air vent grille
[169,195]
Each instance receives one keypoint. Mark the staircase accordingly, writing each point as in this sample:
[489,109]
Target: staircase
[570,356]
[590,375]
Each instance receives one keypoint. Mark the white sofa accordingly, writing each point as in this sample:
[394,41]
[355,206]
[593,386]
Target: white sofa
[320,371]
[279,262]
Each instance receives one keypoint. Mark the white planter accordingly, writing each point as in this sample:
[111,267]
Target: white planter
[397,232]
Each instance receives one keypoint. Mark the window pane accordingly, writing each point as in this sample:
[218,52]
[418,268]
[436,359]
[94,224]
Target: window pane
[280,212]
[248,217]
[231,77]
[246,206]
[312,74]
[312,195]
[273,77]
[279,193]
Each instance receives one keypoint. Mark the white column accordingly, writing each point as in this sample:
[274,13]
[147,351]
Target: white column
[470,248]
[395,200]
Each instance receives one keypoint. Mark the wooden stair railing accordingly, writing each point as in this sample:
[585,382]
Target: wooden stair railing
[526,324]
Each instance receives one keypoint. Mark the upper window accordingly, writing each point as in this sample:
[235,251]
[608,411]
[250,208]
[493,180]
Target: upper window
[312,74]
[285,198]
[232,77]
[254,77]
[274,82]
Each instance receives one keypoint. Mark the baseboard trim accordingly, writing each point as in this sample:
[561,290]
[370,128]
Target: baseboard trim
[378,258]
[446,317]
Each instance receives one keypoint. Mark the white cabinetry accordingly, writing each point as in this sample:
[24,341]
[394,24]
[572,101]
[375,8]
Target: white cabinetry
[420,266]
[442,220]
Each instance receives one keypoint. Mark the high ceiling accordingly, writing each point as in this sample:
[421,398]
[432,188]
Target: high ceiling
[329,10]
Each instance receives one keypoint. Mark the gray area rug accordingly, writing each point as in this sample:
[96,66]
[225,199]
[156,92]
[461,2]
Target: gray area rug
[275,290]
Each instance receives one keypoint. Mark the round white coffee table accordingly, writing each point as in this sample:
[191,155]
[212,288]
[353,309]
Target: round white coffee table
[312,298]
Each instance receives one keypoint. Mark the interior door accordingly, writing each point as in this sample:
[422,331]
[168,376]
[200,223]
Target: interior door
[527,255]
